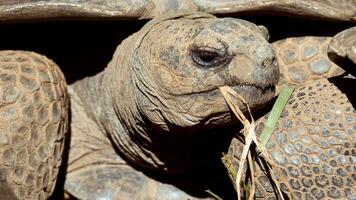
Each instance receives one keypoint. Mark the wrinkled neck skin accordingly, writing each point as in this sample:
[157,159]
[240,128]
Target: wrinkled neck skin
[119,100]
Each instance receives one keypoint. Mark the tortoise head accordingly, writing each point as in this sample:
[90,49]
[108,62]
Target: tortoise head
[179,63]
[164,82]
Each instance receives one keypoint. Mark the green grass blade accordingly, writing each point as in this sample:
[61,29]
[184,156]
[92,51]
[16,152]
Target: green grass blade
[276,112]
[214,195]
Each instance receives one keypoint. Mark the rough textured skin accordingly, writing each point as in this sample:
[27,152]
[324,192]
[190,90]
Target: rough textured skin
[132,116]
[33,121]
[304,58]
[313,146]
[344,45]
[36,9]
[97,172]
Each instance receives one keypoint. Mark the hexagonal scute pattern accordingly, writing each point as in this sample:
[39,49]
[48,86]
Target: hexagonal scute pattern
[304,58]
[33,121]
[313,147]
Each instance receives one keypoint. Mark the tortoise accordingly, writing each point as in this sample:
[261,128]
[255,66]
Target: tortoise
[115,121]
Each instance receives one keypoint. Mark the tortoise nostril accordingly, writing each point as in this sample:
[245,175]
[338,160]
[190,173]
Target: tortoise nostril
[265,55]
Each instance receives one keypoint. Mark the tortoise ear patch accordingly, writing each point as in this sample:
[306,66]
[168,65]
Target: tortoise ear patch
[264,31]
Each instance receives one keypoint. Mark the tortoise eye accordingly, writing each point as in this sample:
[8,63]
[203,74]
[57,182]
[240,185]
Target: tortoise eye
[208,57]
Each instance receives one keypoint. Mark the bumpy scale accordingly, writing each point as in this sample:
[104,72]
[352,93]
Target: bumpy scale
[313,146]
[33,123]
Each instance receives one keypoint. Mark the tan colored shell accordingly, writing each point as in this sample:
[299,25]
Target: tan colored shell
[33,121]
[304,58]
[29,9]
[312,146]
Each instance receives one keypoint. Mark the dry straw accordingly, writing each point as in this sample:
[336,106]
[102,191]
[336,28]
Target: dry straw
[251,137]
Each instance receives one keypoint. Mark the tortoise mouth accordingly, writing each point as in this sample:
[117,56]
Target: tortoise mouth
[255,95]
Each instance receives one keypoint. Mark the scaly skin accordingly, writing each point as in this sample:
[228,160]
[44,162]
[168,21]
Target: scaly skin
[119,115]
[313,145]
[33,121]
[145,109]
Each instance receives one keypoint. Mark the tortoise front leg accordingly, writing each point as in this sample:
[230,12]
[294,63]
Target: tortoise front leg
[33,121]
[119,181]
[312,146]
